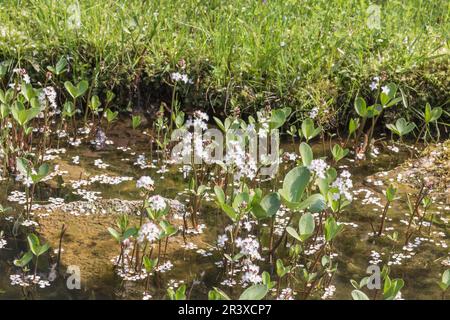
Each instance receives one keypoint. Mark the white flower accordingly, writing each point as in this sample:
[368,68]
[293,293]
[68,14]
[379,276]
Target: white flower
[373,86]
[148,231]
[100,164]
[314,112]
[249,247]
[251,274]
[319,166]
[2,241]
[343,183]
[145,182]
[76,160]
[329,292]
[286,294]
[375,83]
[385,90]
[176,76]
[167,266]
[26,78]
[221,240]
[146,296]
[157,203]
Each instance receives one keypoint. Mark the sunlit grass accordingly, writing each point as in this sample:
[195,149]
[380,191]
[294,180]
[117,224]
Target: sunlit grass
[243,53]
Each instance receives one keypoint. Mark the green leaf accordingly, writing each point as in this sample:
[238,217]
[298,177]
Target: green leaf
[61,66]
[181,293]
[255,292]
[361,107]
[136,121]
[306,153]
[314,203]
[149,264]
[392,289]
[27,91]
[111,116]
[353,125]
[281,269]
[82,87]
[293,233]
[436,114]
[131,232]
[43,249]
[78,90]
[240,199]
[306,226]
[332,229]
[68,109]
[445,282]
[24,260]
[71,89]
[43,171]
[294,184]
[5,110]
[219,124]
[267,281]
[446,277]
[22,165]
[270,204]
[338,152]
[432,114]
[359,295]
[169,230]
[33,243]
[220,195]
[278,118]
[308,129]
[390,193]
[402,127]
[95,103]
[229,211]
[222,295]
[115,234]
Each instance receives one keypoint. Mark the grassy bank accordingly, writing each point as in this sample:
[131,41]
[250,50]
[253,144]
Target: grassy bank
[239,53]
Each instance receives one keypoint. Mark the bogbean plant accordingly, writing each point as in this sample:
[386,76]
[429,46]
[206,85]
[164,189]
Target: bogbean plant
[389,289]
[314,195]
[31,177]
[445,282]
[387,98]
[28,113]
[29,278]
[430,116]
[370,115]
[143,247]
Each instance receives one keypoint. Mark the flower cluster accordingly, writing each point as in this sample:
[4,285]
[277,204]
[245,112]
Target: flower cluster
[177,77]
[249,247]
[145,182]
[148,231]
[319,167]
[343,183]
[157,203]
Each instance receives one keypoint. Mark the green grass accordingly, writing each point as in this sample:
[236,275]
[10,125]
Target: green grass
[233,49]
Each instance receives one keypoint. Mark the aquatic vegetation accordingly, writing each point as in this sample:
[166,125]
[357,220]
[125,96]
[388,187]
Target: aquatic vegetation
[223,165]
[431,115]
[401,127]
[280,236]
[390,196]
[390,291]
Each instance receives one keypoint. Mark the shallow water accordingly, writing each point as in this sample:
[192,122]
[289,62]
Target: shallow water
[420,273]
